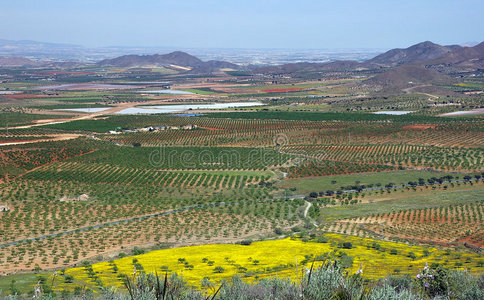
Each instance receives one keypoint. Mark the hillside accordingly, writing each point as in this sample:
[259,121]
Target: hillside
[462,59]
[425,63]
[339,65]
[16,62]
[177,58]
[408,76]
[421,52]
[214,66]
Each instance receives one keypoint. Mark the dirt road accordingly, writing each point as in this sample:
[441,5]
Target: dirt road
[55,137]
[408,90]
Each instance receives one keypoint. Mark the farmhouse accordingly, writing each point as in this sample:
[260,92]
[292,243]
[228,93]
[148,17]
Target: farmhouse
[145,129]
[189,127]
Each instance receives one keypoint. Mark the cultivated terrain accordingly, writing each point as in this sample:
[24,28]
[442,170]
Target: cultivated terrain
[209,169]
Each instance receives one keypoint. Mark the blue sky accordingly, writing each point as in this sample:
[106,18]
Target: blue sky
[306,24]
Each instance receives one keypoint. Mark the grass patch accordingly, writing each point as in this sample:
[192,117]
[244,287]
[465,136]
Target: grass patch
[316,184]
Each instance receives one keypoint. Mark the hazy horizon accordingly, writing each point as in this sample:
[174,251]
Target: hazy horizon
[266,24]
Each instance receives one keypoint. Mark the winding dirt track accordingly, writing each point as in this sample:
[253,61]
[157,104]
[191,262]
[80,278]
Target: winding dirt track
[309,204]
[432,97]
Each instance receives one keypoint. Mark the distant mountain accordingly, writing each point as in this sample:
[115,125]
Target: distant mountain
[212,66]
[174,58]
[285,68]
[432,71]
[464,58]
[16,62]
[40,50]
[424,59]
[408,76]
[335,66]
[177,59]
[421,52]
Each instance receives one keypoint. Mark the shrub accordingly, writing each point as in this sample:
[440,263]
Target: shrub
[386,291]
[69,279]
[308,225]
[346,245]
[433,281]
[346,261]
[399,283]
[138,251]
[278,231]
[246,242]
[321,239]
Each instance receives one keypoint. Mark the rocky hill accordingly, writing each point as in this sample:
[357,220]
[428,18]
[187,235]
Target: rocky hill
[421,52]
[177,58]
[465,59]
[409,76]
[335,66]
[16,62]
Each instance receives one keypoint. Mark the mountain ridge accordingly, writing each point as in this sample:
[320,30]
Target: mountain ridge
[424,51]
[178,58]
[16,61]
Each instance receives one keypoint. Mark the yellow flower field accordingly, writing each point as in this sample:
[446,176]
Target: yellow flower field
[273,258]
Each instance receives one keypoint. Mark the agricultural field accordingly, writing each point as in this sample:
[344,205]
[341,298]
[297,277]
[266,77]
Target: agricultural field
[444,224]
[203,266]
[344,182]
[93,194]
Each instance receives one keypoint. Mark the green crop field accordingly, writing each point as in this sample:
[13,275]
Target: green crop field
[311,184]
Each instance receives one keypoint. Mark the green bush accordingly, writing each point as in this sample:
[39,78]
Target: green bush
[321,239]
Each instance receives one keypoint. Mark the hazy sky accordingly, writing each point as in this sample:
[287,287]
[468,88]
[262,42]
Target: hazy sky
[311,24]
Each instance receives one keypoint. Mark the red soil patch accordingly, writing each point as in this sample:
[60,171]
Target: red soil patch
[65,73]
[23,96]
[211,128]
[282,90]
[476,239]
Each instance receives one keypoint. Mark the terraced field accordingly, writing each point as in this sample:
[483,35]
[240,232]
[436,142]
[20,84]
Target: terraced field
[445,224]
[439,158]
[109,174]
